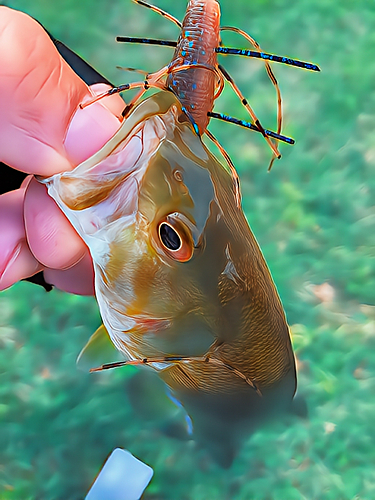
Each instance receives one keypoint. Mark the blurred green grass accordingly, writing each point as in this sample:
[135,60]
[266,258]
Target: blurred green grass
[313,216]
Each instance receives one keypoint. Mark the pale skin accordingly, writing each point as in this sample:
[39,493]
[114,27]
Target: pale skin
[43,131]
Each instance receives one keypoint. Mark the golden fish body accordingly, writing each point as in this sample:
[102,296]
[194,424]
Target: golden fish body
[178,273]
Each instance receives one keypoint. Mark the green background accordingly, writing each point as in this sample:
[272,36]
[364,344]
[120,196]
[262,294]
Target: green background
[313,216]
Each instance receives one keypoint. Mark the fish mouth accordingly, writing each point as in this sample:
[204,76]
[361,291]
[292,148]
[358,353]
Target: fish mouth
[95,179]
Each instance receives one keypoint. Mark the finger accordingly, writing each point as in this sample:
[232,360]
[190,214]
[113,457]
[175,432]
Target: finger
[39,93]
[78,279]
[16,259]
[51,238]
[39,101]
[89,129]
[114,103]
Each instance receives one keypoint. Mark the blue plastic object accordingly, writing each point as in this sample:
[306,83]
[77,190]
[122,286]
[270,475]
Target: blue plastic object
[123,477]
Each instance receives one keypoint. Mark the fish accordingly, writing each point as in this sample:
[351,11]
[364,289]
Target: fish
[181,283]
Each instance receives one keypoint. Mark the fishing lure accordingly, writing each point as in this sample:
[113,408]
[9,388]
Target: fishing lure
[197,79]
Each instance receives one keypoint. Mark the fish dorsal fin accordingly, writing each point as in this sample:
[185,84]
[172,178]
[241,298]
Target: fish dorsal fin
[98,350]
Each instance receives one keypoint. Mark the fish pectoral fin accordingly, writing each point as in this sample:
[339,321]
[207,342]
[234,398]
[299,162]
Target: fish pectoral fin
[98,350]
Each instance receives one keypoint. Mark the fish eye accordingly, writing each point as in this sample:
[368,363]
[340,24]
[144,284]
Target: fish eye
[176,240]
[169,237]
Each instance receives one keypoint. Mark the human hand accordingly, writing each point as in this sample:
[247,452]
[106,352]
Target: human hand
[44,131]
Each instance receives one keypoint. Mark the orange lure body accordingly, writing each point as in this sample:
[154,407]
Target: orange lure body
[195,86]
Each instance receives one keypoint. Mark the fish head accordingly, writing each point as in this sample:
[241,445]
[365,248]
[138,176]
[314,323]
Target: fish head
[147,207]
